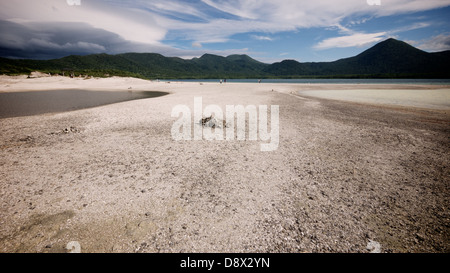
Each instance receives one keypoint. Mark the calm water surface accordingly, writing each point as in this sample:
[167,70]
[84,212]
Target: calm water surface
[16,104]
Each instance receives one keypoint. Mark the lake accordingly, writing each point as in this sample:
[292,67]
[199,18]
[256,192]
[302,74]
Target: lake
[327,81]
[17,104]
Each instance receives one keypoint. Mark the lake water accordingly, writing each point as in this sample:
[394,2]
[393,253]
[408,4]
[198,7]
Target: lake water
[16,104]
[329,81]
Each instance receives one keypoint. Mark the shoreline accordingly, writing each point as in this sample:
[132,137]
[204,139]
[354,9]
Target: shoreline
[113,179]
[22,83]
[432,97]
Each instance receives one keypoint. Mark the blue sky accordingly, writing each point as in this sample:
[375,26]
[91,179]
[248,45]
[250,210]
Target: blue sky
[267,30]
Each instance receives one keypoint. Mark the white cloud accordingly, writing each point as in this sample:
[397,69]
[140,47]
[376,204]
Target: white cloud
[244,9]
[289,14]
[196,45]
[147,24]
[358,39]
[268,16]
[150,21]
[412,27]
[170,7]
[436,43]
[261,38]
[131,24]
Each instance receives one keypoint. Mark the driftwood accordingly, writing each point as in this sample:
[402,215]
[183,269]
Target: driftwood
[213,122]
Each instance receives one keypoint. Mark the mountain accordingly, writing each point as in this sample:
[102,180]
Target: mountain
[144,65]
[390,58]
[233,66]
[396,57]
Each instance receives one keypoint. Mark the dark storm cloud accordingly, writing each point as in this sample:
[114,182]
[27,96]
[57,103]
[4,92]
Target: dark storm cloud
[48,40]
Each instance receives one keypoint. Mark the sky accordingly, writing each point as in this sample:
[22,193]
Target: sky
[266,30]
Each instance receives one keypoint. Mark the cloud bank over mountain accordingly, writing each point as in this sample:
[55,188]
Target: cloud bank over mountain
[55,28]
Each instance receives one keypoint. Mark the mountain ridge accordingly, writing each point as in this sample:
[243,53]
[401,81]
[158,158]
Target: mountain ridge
[388,59]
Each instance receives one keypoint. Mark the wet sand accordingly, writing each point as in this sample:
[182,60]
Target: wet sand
[112,178]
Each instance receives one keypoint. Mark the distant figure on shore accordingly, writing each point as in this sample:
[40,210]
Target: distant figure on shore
[259,81]
[220,81]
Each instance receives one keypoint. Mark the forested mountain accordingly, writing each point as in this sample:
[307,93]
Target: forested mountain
[389,59]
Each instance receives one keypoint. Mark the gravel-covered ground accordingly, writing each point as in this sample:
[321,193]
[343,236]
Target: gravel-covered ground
[112,178]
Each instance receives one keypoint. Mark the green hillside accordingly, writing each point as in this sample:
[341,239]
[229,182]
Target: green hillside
[388,59]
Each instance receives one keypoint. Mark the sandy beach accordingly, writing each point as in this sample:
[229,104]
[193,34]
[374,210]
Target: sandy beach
[347,172]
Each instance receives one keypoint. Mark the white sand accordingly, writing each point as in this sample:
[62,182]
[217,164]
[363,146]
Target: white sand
[428,98]
[343,175]
[422,96]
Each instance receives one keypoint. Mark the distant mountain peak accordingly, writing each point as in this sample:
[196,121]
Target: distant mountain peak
[242,57]
[208,55]
[391,40]
[390,45]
